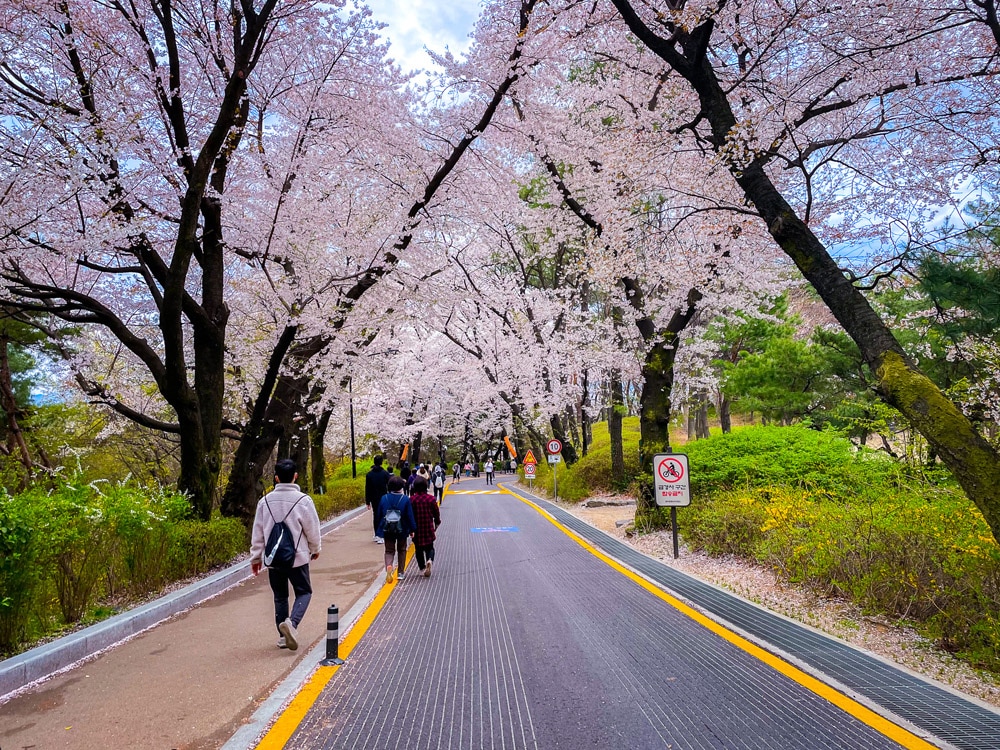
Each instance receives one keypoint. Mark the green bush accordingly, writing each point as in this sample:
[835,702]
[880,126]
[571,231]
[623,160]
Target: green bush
[782,456]
[78,543]
[21,576]
[901,545]
[341,495]
[145,526]
[198,546]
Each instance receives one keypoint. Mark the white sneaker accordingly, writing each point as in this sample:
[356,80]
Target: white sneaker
[291,635]
[379,540]
[427,570]
[282,643]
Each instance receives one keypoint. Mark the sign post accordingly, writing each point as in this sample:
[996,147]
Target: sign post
[553,447]
[529,463]
[671,486]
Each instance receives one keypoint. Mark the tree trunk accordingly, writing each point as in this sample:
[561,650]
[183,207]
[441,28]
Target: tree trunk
[268,422]
[725,415]
[11,410]
[654,404]
[615,415]
[971,459]
[415,453]
[701,424]
[294,444]
[559,433]
[317,456]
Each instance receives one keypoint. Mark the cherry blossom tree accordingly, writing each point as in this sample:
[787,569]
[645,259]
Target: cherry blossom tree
[760,88]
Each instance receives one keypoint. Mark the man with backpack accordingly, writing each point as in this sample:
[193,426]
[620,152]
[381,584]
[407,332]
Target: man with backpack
[285,538]
[437,482]
[375,484]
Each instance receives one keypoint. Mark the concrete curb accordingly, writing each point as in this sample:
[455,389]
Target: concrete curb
[41,662]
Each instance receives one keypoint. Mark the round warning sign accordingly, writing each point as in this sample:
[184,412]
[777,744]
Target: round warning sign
[670,469]
[553,446]
[529,471]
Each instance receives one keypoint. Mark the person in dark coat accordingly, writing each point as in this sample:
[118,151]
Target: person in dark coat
[425,510]
[376,481]
[395,545]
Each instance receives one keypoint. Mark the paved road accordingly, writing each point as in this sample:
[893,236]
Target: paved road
[524,639]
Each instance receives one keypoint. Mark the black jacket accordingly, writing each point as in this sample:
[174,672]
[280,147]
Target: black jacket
[375,482]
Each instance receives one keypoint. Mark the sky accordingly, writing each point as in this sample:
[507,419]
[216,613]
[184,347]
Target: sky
[414,24]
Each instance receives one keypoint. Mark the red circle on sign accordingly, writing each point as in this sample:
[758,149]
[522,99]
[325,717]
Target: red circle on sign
[553,446]
[670,470]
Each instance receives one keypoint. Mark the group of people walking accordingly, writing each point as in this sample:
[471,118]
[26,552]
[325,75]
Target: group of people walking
[403,509]
[404,506]
[472,469]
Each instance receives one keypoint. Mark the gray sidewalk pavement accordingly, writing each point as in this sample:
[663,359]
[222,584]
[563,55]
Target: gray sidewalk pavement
[190,682]
[523,639]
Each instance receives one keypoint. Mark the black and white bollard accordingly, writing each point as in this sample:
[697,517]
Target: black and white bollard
[332,637]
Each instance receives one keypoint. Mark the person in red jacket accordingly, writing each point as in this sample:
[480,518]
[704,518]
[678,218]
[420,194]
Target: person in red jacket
[425,510]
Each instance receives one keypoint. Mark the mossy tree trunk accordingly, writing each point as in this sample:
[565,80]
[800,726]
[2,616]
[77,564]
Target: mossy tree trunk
[971,459]
[654,404]
[615,416]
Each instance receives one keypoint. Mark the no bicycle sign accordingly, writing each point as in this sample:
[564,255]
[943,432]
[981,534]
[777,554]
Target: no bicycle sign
[670,479]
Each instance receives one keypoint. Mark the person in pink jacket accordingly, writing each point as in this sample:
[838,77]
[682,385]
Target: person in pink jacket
[286,502]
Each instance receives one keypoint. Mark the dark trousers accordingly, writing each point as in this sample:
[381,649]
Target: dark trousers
[279,580]
[395,546]
[423,552]
[375,518]
[489,477]
[439,494]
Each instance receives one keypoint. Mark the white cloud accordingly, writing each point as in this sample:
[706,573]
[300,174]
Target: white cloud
[415,24]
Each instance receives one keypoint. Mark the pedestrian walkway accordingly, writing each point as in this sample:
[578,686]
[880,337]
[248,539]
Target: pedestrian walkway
[193,680]
[529,637]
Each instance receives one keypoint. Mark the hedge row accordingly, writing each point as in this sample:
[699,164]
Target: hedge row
[81,552]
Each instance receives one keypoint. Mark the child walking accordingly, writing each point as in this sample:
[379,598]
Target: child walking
[425,510]
[396,523]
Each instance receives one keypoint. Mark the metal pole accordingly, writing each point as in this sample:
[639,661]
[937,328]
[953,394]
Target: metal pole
[555,480]
[673,526]
[332,637]
[354,452]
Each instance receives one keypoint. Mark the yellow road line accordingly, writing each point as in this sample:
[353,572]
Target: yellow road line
[849,705]
[283,729]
